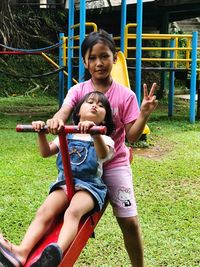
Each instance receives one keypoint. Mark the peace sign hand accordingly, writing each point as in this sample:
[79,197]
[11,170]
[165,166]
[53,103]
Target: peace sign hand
[149,102]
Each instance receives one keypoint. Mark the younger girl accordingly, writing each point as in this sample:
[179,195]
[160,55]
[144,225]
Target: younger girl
[87,154]
[99,55]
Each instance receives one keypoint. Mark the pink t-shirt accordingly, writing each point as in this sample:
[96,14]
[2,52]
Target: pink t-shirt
[125,109]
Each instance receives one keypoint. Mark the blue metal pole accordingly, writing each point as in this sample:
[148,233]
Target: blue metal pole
[82,36]
[123,24]
[61,74]
[70,43]
[193,79]
[171,82]
[139,50]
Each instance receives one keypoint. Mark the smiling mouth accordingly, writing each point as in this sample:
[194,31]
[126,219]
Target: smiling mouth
[100,71]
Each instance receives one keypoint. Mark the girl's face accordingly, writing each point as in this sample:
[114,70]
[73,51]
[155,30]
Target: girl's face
[92,110]
[99,61]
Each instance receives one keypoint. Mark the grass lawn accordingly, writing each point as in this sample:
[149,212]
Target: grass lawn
[166,181]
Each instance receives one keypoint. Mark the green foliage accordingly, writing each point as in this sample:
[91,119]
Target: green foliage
[34,24]
[23,110]
[169,185]
[16,67]
[40,30]
[43,25]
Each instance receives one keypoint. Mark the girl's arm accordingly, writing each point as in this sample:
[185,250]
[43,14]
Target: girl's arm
[149,103]
[101,148]
[46,149]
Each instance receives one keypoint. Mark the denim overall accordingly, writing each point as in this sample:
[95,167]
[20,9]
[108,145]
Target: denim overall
[84,165]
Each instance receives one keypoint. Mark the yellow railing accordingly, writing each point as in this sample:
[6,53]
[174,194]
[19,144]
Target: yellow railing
[90,26]
[181,55]
[184,58]
[56,65]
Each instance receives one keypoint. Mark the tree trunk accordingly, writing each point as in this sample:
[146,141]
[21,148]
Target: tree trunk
[9,31]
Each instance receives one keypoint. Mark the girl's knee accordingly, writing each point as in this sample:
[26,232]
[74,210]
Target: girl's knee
[44,214]
[130,224]
[73,213]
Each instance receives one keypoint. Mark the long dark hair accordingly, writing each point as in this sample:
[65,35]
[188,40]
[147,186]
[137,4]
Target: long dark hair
[92,39]
[103,99]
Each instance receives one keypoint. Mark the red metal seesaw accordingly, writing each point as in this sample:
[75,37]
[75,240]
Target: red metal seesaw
[87,223]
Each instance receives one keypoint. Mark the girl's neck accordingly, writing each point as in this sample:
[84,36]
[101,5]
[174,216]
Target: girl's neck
[102,85]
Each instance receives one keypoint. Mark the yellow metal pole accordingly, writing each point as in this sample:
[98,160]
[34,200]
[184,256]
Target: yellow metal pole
[56,65]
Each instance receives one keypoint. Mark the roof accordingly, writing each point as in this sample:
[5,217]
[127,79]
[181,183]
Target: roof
[118,2]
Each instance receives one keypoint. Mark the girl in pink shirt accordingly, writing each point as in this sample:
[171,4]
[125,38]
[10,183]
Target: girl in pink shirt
[99,55]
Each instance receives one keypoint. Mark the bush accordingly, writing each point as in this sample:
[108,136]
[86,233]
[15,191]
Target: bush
[16,72]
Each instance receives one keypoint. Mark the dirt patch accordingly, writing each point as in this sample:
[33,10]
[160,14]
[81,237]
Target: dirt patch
[29,112]
[155,152]
[25,113]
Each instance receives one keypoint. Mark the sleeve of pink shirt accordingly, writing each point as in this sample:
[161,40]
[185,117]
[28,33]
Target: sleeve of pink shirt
[131,109]
[72,96]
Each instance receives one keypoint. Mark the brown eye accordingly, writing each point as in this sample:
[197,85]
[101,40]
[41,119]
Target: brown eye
[100,105]
[91,58]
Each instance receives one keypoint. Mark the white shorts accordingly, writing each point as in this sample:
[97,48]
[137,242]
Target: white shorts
[120,191]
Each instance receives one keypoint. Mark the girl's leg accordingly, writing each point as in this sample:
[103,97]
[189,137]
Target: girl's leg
[132,240]
[120,190]
[54,204]
[81,203]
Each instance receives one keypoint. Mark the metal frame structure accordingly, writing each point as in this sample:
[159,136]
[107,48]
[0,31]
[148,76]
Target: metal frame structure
[138,59]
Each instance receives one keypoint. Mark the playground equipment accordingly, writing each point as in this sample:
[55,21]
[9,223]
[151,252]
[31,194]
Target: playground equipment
[125,36]
[178,58]
[87,223]
[39,52]
[173,61]
[69,51]
[121,67]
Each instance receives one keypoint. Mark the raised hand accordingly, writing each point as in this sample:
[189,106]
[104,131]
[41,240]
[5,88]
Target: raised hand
[149,102]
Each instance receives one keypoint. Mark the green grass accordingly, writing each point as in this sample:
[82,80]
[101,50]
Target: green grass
[166,181]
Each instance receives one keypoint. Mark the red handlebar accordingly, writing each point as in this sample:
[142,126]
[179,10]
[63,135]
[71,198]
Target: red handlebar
[66,129]
[28,128]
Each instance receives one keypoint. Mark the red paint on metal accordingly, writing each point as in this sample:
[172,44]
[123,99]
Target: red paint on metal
[66,165]
[18,53]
